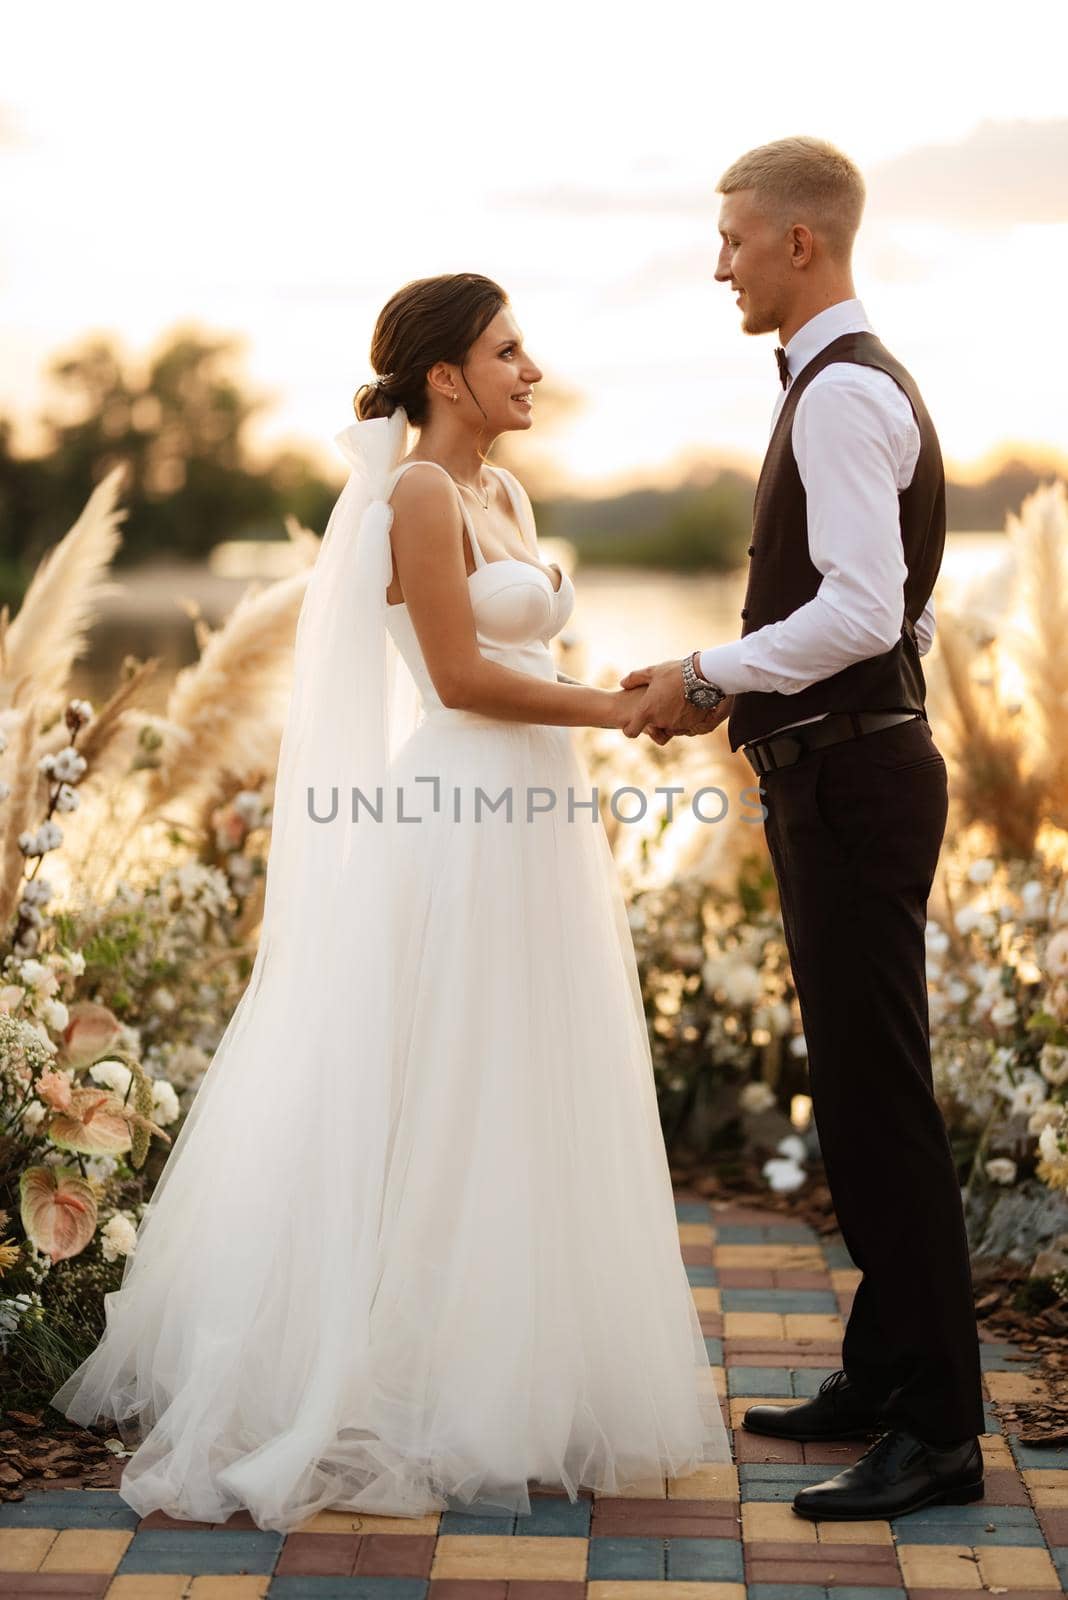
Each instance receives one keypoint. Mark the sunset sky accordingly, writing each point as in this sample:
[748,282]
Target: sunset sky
[277,171]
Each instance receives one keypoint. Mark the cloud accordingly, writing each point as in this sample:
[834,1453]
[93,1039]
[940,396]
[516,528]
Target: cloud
[612,202]
[999,174]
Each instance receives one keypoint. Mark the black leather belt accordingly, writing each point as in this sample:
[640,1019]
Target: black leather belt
[783,749]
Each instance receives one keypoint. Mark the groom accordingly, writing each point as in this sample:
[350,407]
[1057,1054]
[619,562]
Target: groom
[825,695]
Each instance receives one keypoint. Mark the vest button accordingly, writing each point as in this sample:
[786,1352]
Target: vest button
[745,613]
[751,549]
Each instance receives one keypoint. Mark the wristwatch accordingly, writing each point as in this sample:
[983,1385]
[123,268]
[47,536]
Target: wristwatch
[704,695]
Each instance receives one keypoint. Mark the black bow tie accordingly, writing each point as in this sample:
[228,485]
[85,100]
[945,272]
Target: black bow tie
[784,369]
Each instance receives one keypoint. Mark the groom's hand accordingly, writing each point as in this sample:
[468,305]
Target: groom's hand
[664,704]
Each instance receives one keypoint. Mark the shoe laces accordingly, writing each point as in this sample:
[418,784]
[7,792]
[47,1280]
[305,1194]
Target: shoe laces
[833,1383]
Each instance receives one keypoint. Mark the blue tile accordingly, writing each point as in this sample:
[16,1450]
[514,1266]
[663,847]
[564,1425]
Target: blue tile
[309,1588]
[693,1211]
[863,1591]
[555,1514]
[715,1351]
[774,1233]
[977,1515]
[999,1358]
[992,1420]
[1060,1561]
[719,1559]
[1038,1455]
[778,1480]
[806,1380]
[702,1277]
[478,1522]
[805,1301]
[758,1381]
[69,1508]
[215,1550]
[626,1558]
[907,1531]
[837,1256]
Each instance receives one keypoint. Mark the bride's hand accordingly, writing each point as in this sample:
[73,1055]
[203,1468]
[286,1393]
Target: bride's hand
[624,703]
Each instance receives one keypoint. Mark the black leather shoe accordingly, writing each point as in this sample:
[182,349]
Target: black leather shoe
[897,1475]
[836,1412]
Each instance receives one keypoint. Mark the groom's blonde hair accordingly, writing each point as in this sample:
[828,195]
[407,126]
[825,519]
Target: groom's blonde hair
[804,180]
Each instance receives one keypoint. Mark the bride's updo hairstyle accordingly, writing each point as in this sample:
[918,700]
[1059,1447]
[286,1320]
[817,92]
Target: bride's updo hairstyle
[430,320]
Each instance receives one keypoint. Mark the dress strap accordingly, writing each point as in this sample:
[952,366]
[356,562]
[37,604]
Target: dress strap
[480,560]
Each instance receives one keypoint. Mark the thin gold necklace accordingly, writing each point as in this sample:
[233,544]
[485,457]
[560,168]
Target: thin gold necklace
[483,503]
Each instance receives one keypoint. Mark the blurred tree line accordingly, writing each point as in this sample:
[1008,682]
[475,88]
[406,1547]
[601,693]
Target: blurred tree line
[179,421]
[180,427]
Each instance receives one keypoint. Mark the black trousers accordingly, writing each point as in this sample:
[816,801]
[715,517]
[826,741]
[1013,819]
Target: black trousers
[854,832]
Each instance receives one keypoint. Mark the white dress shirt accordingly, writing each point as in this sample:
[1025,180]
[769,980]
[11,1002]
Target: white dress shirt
[856,443]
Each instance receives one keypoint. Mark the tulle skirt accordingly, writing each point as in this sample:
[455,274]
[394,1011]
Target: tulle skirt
[494,1299]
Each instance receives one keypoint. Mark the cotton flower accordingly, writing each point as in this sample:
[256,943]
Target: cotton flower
[1049,1144]
[1053,1064]
[165,1107]
[792,1148]
[33,1114]
[981,871]
[118,1237]
[1001,1170]
[799,1045]
[36,891]
[783,1176]
[39,977]
[1004,1012]
[55,1014]
[742,984]
[1057,955]
[967,919]
[67,799]
[756,1097]
[113,1075]
[1047,1115]
[1027,1096]
[67,765]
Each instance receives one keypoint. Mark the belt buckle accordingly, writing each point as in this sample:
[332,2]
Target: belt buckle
[768,763]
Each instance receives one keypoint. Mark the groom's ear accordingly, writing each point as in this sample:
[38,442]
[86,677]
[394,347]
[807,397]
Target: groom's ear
[801,244]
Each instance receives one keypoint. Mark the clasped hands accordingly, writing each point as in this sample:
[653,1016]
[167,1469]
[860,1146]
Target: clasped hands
[657,705]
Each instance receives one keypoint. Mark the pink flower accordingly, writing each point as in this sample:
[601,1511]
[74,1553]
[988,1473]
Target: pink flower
[54,1089]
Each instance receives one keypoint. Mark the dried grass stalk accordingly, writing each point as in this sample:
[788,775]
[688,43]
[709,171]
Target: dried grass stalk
[16,812]
[49,634]
[1040,536]
[224,707]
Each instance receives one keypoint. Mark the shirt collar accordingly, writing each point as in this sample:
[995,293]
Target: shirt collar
[847,316]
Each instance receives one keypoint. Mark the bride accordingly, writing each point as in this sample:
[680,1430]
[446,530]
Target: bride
[415,1246]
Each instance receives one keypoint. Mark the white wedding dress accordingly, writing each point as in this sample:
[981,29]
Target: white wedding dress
[531,1320]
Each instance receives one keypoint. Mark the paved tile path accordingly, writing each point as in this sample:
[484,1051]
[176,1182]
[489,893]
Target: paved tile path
[771,1296]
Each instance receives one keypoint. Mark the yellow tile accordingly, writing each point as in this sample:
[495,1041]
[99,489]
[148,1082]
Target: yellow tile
[644,1489]
[775,1522]
[753,1325]
[239,1586]
[719,1381]
[1009,1386]
[771,1257]
[1055,1499]
[23,1549]
[716,1481]
[164,1586]
[938,1566]
[996,1452]
[474,1555]
[812,1325]
[1016,1567]
[1048,1487]
[706,1299]
[740,1405]
[86,1550]
[631,1589]
[854,1533]
[845,1279]
[361,1522]
[696,1233]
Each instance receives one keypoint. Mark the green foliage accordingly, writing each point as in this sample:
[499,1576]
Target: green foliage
[180,427]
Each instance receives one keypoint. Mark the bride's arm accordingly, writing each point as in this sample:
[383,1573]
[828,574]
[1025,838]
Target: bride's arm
[428,556]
